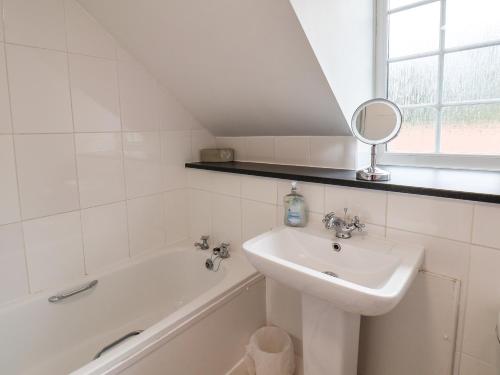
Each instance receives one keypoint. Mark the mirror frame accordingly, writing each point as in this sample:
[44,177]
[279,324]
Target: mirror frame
[391,136]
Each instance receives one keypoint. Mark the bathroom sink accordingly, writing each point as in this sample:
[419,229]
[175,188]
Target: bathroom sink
[362,275]
[340,280]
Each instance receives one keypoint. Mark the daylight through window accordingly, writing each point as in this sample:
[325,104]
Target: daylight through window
[443,70]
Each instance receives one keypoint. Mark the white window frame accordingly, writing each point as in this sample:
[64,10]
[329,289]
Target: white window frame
[381,61]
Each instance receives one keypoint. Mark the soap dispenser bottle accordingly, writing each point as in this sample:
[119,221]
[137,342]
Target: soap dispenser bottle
[295,208]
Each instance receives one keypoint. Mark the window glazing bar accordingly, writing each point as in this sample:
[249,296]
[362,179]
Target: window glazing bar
[411,6]
[445,51]
[414,56]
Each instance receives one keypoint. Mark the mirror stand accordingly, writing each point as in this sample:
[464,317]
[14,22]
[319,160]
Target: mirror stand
[373,173]
[376,122]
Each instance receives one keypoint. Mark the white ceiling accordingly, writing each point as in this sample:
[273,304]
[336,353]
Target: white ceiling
[241,67]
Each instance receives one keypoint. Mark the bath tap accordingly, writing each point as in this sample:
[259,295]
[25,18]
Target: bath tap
[218,253]
[222,251]
[343,228]
[203,245]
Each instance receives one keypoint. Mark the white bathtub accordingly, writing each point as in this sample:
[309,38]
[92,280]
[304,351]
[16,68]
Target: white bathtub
[161,294]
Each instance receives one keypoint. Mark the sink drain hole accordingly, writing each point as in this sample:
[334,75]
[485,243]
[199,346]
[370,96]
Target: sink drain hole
[330,273]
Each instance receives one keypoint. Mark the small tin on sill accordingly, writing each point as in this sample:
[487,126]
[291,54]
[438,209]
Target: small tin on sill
[216,155]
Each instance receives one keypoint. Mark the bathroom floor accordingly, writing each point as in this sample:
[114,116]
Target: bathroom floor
[241,369]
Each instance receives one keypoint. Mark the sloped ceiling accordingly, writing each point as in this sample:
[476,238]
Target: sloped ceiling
[241,67]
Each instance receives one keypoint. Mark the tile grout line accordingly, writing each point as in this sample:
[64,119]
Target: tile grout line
[75,159]
[386,213]
[122,142]
[90,207]
[20,212]
[465,290]
[67,51]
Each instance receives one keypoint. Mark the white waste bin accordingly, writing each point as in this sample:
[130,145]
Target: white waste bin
[270,352]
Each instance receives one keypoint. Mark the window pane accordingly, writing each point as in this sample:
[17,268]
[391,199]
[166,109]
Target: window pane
[471,75]
[414,31]
[400,3]
[413,81]
[417,132]
[470,21]
[473,129]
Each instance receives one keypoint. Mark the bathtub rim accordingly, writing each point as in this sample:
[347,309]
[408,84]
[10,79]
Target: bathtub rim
[180,246]
[240,276]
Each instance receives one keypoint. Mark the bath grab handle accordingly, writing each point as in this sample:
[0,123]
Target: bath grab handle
[68,293]
[116,342]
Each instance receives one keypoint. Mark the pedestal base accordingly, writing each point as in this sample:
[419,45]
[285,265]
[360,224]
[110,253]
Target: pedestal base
[330,338]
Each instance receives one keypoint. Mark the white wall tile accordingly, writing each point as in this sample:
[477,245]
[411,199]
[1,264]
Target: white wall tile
[39,88]
[259,149]
[13,273]
[85,35]
[139,107]
[238,144]
[94,92]
[37,23]
[409,339]
[200,139]
[485,226]
[314,221]
[257,218]
[284,307]
[176,151]
[200,222]
[333,152]
[363,155]
[1,22]
[483,305]
[226,220]
[200,179]
[5,122]
[259,189]
[314,194]
[429,215]
[47,174]
[292,150]
[9,200]
[442,256]
[54,250]
[143,166]
[227,183]
[105,236]
[369,205]
[146,224]
[173,116]
[122,54]
[100,168]
[473,366]
[176,215]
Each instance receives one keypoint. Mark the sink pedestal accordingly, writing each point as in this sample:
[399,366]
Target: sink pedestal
[330,338]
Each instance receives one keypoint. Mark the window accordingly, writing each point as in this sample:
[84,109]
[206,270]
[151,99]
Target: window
[439,60]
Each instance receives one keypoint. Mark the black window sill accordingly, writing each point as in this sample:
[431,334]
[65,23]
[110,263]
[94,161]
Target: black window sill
[479,186]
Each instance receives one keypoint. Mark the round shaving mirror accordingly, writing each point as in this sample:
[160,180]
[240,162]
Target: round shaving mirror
[376,122]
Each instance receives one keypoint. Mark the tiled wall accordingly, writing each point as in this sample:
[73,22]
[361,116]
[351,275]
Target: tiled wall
[92,150]
[333,152]
[460,238]
[91,163]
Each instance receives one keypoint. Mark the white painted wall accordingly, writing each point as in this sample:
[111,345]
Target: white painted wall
[92,150]
[246,67]
[341,34]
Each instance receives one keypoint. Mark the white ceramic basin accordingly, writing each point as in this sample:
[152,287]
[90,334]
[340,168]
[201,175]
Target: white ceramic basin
[372,274]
